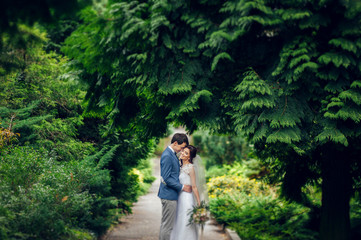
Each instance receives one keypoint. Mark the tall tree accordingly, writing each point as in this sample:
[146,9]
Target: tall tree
[283,73]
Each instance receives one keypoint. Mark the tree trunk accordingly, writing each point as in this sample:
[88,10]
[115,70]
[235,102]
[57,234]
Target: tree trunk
[336,186]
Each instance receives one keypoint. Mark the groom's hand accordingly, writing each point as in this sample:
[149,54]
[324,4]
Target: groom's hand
[187,188]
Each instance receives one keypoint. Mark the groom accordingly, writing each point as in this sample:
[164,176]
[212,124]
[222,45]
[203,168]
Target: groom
[170,186]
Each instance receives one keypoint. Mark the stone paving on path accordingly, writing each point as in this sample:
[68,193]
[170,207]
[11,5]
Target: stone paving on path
[144,223]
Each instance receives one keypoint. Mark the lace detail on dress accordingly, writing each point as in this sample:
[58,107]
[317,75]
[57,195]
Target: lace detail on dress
[187,168]
[181,229]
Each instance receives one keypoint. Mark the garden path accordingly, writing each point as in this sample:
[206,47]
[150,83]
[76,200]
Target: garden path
[144,223]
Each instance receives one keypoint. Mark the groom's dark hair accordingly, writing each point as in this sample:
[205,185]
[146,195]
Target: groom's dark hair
[180,138]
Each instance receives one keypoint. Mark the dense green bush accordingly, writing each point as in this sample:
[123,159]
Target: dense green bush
[121,154]
[42,198]
[254,209]
[145,176]
[262,217]
[221,149]
[43,103]
[355,214]
[71,175]
[250,168]
[215,171]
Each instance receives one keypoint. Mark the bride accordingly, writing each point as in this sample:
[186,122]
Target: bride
[181,229]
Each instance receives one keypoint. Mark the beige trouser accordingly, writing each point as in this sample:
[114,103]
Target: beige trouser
[169,209]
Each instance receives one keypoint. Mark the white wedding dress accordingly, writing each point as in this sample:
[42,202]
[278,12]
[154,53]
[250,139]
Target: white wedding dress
[185,203]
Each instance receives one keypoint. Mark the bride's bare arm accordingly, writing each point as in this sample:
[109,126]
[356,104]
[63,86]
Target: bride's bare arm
[192,174]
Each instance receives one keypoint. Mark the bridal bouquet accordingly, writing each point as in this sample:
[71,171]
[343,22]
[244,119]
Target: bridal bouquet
[199,214]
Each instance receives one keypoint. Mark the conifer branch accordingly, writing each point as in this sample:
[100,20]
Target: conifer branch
[284,109]
[169,73]
[182,75]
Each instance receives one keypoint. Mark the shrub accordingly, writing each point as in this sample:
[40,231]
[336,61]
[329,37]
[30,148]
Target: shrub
[254,210]
[355,214]
[224,185]
[221,149]
[144,173]
[161,145]
[215,171]
[6,217]
[42,198]
[262,217]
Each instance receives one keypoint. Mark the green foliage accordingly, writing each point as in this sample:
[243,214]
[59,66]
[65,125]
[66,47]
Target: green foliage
[58,32]
[215,171]
[254,209]
[130,84]
[355,211]
[122,155]
[43,105]
[284,74]
[19,17]
[74,177]
[250,168]
[13,45]
[218,57]
[162,144]
[21,121]
[221,149]
[262,217]
[145,176]
[52,199]
[233,183]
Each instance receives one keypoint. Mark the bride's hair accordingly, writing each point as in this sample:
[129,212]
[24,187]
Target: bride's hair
[192,152]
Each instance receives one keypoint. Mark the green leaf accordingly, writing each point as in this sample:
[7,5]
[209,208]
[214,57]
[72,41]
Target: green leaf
[348,112]
[285,135]
[222,34]
[332,134]
[258,102]
[190,104]
[294,14]
[299,59]
[216,59]
[311,65]
[344,44]
[352,95]
[337,59]
[166,41]
[356,84]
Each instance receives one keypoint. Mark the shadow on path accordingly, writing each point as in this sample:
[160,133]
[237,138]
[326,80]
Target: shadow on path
[144,223]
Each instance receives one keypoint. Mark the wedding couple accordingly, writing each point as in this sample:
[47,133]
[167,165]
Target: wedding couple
[178,190]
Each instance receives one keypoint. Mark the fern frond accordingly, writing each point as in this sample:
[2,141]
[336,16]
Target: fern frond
[220,56]
[344,44]
[284,135]
[333,135]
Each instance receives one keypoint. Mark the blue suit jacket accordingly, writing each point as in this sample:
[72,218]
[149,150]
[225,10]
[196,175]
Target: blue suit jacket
[169,171]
